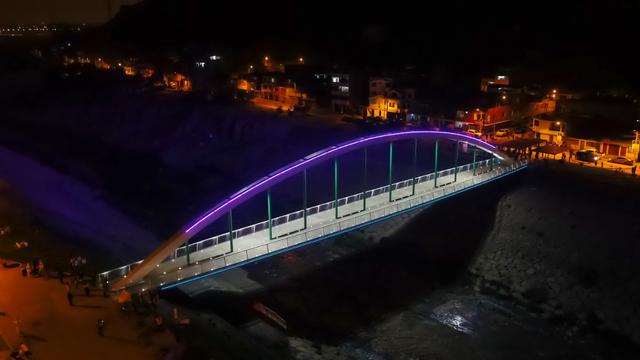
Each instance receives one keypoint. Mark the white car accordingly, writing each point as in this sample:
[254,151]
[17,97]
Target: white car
[503,133]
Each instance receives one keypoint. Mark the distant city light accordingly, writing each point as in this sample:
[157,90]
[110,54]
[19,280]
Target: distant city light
[266,58]
[504,97]
[215,57]
[301,59]
[200,64]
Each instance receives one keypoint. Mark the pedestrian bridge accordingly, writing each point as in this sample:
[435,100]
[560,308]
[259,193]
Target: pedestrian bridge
[181,260]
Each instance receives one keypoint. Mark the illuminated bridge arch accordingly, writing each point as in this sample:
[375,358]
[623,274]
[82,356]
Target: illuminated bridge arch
[134,275]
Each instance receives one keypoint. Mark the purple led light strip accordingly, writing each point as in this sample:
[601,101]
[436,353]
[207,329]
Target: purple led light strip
[339,149]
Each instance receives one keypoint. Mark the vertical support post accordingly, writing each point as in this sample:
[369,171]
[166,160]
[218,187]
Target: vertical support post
[435,166]
[455,163]
[390,169]
[186,247]
[475,153]
[269,214]
[304,199]
[415,159]
[364,182]
[335,185]
[231,230]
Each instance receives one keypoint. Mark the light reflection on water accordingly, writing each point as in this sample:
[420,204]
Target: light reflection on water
[454,315]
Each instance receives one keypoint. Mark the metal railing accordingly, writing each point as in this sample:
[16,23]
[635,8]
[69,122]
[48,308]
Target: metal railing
[176,268]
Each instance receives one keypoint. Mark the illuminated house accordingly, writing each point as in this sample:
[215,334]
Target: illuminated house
[381,106]
[129,70]
[272,93]
[341,101]
[387,102]
[548,129]
[245,85]
[177,82]
[496,115]
[283,97]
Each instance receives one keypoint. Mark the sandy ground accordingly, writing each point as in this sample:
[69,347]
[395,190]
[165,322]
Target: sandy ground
[54,330]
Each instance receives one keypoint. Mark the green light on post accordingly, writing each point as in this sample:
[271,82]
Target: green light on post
[390,169]
[269,214]
[435,171]
[335,185]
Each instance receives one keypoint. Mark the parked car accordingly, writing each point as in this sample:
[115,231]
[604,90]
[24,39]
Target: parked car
[503,133]
[521,130]
[621,160]
[474,132]
[587,155]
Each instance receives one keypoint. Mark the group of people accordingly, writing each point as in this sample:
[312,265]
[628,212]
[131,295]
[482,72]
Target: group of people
[33,268]
[21,353]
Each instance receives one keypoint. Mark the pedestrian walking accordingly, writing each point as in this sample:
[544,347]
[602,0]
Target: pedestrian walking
[105,287]
[69,294]
[61,276]
[41,269]
[23,269]
[100,326]
[28,267]
[87,290]
[633,170]
[24,352]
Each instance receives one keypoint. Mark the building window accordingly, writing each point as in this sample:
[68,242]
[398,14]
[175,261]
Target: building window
[335,79]
[536,122]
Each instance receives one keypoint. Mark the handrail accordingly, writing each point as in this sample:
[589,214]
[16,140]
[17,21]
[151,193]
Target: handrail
[239,233]
[211,264]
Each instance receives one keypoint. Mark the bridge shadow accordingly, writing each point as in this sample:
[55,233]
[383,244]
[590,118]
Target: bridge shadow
[333,300]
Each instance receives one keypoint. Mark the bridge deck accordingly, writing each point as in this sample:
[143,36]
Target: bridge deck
[321,223]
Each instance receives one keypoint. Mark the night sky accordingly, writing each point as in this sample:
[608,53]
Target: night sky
[67,11]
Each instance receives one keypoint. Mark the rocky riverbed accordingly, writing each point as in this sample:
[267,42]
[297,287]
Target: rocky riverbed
[567,245]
